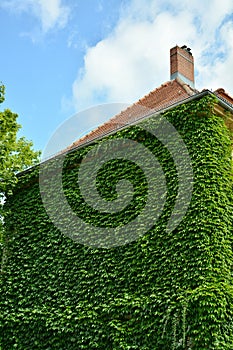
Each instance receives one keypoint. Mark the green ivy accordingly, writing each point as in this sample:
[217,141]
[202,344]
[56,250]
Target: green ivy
[166,290]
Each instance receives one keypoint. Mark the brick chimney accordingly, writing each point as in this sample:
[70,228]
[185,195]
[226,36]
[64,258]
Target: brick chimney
[182,64]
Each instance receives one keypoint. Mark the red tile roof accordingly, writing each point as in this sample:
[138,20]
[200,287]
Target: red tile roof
[166,95]
[221,93]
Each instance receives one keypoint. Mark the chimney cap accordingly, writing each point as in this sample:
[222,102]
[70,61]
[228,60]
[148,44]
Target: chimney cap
[187,49]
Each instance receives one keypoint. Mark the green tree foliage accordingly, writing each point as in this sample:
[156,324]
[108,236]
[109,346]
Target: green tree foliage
[16,154]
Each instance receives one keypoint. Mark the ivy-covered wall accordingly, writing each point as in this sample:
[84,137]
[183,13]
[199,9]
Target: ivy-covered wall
[166,290]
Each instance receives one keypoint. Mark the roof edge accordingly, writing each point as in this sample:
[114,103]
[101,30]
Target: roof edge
[195,96]
[157,112]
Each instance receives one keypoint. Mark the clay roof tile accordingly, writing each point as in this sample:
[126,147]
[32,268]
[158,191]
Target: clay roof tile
[162,97]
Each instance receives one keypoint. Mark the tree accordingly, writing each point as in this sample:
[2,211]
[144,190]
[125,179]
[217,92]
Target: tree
[16,154]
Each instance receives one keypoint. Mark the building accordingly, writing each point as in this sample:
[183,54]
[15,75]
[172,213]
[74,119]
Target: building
[164,289]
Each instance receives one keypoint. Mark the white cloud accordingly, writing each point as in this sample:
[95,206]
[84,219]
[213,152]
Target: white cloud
[134,57]
[50,13]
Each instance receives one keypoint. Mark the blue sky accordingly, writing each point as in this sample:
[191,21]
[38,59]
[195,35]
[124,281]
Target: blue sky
[59,57]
